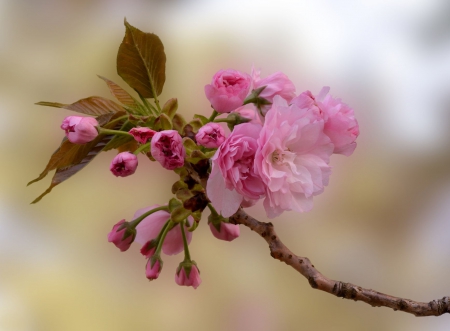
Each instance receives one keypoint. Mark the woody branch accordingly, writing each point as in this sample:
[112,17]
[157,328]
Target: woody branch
[340,289]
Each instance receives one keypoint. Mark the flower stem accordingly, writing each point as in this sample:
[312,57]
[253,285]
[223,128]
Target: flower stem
[138,220]
[109,131]
[141,148]
[149,106]
[187,256]
[121,118]
[213,116]
[162,236]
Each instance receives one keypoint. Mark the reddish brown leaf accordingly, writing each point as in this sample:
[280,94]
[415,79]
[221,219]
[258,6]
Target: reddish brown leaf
[123,96]
[141,62]
[89,106]
[70,158]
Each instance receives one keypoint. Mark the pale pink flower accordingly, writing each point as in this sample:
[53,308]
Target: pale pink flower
[80,130]
[251,112]
[233,177]
[292,158]
[153,268]
[124,164]
[275,84]
[340,122]
[227,231]
[116,236]
[211,135]
[142,135]
[167,148]
[228,90]
[193,279]
[150,227]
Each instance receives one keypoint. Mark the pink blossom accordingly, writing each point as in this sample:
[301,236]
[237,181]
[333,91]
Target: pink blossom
[340,122]
[117,236]
[227,231]
[142,135]
[211,135]
[124,164]
[233,177]
[153,268]
[251,112]
[228,90]
[167,148]
[292,158]
[193,279]
[80,130]
[275,84]
[150,227]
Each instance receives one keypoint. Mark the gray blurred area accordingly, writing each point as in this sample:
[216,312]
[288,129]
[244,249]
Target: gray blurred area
[383,222]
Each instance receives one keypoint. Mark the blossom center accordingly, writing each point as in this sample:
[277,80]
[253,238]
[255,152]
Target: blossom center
[280,157]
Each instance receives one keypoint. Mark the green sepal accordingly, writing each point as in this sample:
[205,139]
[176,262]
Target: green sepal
[189,145]
[196,156]
[184,194]
[170,107]
[163,122]
[195,224]
[182,172]
[187,266]
[179,214]
[178,186]
[196,124]
[202,119]
[173,204]
[234,119]
[254,97]
[178,123]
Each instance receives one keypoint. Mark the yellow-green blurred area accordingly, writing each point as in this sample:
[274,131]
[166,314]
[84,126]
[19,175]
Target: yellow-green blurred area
[382,223]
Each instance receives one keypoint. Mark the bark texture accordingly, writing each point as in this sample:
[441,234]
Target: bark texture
[340,289]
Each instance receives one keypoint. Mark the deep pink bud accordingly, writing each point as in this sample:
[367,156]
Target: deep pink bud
[153,267]
[124,164]
[227,231]
[228,90]
[188,275]
[211,135]
[120,238]
[80,130]
[167,149]
[142,135]
[148,249]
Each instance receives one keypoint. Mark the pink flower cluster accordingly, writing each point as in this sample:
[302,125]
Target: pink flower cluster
[282,154]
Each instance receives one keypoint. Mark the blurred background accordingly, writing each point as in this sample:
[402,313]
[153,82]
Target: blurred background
[383,222]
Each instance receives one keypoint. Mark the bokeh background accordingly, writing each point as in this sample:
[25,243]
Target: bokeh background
[383,222]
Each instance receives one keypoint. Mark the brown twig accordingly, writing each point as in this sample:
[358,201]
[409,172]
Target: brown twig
[340,289]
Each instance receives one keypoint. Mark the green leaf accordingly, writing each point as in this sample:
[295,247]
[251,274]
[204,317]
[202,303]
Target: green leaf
[123,96]
[189,145]
[141,62]
[89,106]
[70,158]
[170,107]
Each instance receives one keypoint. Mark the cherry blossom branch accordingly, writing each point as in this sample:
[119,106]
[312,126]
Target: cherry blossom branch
[340,289]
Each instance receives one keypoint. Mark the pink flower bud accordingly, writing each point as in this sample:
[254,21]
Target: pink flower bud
[142,135]
[148,249]
[228,90]
[153,268]
[119,237]
[80,130]
[188,276]
[227,231]
[167,149]
[124,164]
[275,84]
[211,135]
